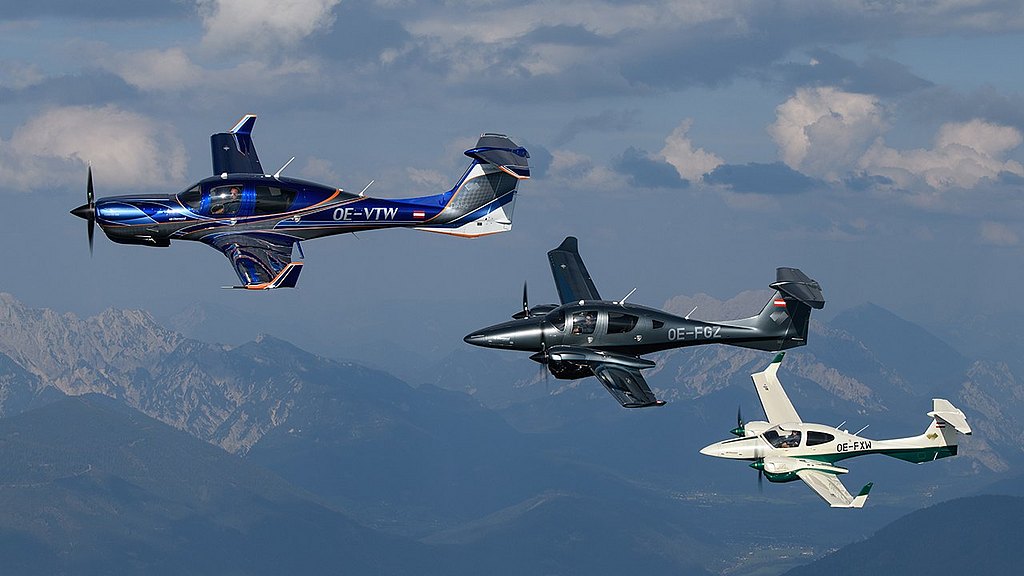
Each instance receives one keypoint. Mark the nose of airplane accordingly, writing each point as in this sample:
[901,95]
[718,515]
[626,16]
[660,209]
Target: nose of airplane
[709,450]
[84,211]
[518,334]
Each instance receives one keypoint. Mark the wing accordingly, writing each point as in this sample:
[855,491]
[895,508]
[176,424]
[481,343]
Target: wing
[828,486]
[777,407]
[627,385]
[571,277]
[233,151]
[262,261]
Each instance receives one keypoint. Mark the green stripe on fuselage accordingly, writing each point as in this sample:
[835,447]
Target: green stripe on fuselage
[915,455]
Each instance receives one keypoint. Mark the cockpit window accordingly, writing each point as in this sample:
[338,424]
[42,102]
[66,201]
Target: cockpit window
[783,438]
[273,200]
[584,322]
[225,200]
[815,438]
[619,323]
[557,318]
[191,198]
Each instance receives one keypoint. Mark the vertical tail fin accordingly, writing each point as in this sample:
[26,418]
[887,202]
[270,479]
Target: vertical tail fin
[481,202]
[788,313]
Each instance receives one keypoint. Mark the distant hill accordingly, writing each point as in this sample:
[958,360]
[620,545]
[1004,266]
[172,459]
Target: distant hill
[88,486]
[976,535]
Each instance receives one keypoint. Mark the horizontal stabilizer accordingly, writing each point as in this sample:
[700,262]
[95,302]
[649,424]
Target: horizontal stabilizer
[944,410]
[498,150]
[795,284]
[233,151]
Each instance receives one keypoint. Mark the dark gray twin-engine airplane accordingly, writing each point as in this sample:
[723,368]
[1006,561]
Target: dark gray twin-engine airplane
[587,336]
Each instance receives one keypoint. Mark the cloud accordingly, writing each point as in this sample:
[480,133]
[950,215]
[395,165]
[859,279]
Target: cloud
[646,171]
[823,132]
[604,121]
[965,153]
[997,234]
[691,163]
[757,178]
[874,75]
[159,69]
[95,10]
[232,25]
[579,172]
[126,150]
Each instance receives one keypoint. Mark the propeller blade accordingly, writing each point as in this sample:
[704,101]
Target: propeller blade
[526,302]
[760,481]
[87,211]
[740,429]
[91,201]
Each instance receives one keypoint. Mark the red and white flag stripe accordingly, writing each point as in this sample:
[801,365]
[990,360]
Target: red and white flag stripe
[419,214]
[779,302]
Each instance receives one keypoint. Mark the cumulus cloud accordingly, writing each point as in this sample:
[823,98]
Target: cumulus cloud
[126,149]
[691,163]
[262,24]
[823,132]
[838,136]
[964,154]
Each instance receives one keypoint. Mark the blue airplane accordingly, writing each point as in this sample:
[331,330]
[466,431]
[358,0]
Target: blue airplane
[256,219]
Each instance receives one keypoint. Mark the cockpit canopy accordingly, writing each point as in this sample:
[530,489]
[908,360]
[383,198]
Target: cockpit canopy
[239,199]
[780,437]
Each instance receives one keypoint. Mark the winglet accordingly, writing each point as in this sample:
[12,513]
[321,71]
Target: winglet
[244,125]
[862,496]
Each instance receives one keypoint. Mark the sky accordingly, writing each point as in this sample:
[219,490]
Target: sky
[692,146]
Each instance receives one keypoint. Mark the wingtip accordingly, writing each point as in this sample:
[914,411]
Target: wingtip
[778,357]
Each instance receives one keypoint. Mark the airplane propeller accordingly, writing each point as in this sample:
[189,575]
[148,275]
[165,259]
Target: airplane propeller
[87,211]
[740,429]
[526,307]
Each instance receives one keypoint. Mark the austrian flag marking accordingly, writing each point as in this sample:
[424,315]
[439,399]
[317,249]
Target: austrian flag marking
[779,302]
[419,214]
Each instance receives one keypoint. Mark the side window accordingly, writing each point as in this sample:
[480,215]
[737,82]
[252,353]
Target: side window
[584,322]
[785,440]
[816,438]
[619,323]
[657,324]
[191,198]
[273,200]
[558,319]
[225,200]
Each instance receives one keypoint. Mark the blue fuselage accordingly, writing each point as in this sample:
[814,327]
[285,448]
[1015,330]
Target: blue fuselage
[290,207]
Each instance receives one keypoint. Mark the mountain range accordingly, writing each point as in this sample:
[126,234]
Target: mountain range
[482,463]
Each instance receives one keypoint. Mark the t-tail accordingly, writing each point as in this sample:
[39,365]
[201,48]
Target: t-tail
[939,440]
[784,320]
[481,202]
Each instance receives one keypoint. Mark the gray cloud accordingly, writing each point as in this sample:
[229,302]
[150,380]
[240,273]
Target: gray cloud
[97,10]
[643,171]
[759,178]
[604,121]
[875,75]
[87,87]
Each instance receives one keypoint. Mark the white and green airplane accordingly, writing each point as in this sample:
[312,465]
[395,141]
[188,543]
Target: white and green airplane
[785,448]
